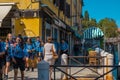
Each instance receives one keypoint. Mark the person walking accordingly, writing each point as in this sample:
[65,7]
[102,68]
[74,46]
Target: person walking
[9,43]
[2,59]
[40,51]
[37,43]
[29,47]
[64,47]
[19,57]
[49,52]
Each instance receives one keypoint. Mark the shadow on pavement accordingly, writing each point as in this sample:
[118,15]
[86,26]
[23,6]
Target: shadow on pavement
[26,78]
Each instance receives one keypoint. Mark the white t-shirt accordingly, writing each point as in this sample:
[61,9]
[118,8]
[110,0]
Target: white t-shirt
[48,47]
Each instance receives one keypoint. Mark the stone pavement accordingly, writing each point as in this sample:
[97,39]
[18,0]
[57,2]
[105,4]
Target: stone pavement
[28,75]
[34,75]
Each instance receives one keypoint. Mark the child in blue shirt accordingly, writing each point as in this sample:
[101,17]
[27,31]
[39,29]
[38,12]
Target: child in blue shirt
[9,44]
[30,50]
[40,51]
[18,55]
[37,43]
[2,58]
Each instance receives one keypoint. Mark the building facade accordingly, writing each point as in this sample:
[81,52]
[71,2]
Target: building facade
[42,18]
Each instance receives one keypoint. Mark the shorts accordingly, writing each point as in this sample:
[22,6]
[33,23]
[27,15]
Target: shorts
[20,63]
[49,58]
[8,58]
[30,56]
[2,62]
[64,52]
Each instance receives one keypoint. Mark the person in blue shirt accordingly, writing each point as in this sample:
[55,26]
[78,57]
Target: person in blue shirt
[18,55]
[37,43]
[30,50]
[2,58]
[64,47]
[40,51]
[9,43]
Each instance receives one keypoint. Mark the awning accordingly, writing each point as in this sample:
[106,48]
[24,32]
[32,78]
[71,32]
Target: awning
[74,28]
[93,33]
[4,10]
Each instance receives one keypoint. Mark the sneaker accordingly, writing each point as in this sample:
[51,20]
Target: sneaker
[28,69]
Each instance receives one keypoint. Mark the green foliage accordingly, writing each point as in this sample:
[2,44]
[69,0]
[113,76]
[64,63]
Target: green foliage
[87,22]
[109,27]
[86,16]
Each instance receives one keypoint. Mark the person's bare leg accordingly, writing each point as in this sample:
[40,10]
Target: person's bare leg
[50,73]
[6,70]
[15,74]
[22,75]
[27,63]
[32,61]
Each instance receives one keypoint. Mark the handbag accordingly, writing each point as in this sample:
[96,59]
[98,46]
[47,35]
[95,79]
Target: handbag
[55,56]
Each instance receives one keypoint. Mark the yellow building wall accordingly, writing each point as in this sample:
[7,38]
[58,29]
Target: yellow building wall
[31,27]
[31,4]
[55,10]
[23,4]
[34,24]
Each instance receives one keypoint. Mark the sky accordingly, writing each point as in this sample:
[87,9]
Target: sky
[100,9]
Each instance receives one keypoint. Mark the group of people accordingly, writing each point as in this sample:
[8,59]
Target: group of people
[19,52]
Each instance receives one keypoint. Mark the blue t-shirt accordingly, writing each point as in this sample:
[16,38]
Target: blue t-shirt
[40,49]
[18,51]
[10,48]
[2,49]
[29,47]
[37,45]
[64,46]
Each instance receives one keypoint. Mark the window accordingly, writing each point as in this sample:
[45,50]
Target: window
[51,0]
[55,34]
[4,31]
[47,29]
[74,2]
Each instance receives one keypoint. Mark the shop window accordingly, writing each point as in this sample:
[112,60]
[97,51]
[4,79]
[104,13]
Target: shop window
[7,22]
[4,32]
[48,29]
[55,33]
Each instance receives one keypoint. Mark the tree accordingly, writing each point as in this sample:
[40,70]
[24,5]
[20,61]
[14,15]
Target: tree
[86,16]
[87,22]
[109,27]
[92,22]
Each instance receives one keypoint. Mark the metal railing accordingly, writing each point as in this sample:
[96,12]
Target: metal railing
[83,66]
[70,76]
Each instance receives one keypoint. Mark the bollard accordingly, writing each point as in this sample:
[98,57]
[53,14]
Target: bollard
[103,62]
[109,76]
[43,70]
[64,61]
